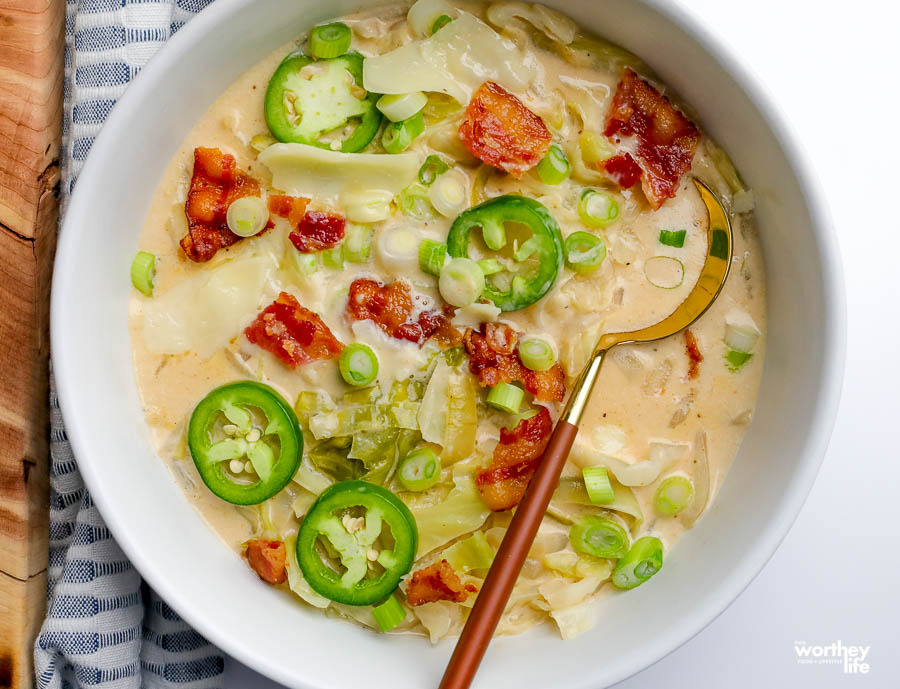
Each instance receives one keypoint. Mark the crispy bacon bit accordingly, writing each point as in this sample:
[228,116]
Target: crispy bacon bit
[623,170]
[216,182]
[294,334]
[666,139]
[693,352]
[493,358]
[290,207]
[267,558]
[437,582]
[515,460]
[318,231]
[499,130]
[390,308]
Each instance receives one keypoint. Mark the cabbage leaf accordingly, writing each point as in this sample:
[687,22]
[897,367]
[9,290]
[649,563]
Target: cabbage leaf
[461,512]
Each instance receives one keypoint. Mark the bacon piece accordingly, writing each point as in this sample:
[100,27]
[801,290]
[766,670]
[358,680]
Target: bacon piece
[623,169]
[293,333]
[436,582]
[666,139]
[499,130]
[291,207]
[493,358]
[390,308]
[693,352]
[515,460]
[267,558]
[318,231]
[215,182]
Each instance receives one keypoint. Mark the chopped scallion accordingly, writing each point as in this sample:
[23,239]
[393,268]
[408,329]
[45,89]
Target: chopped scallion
[440,23]
[368,206]
[597,208]
[358,365]
[329,40]
[333,257]
[554,167]
[414,202]
[599,489]
[449,193]
[664,272]
[401,106]
[432,255]
[672,237]
[247,216]
[506,397]
[143,272]
[643,560]
[536,354]
[419,470]
[490,266]
[398,136]
[357,243]
[433,167]
[585,252]
[673,495]
[461,282]
[736,360]
[599,536]
[389,614]
[719,247]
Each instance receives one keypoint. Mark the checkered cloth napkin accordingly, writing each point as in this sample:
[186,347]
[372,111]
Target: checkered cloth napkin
[103,626]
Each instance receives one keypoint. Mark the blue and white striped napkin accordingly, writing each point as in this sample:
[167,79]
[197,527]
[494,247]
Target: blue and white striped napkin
[103,626]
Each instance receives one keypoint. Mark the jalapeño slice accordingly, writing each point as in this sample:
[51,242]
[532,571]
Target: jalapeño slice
[356,542]
[241,423]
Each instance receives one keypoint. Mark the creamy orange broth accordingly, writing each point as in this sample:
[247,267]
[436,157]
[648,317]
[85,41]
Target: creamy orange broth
[641,388]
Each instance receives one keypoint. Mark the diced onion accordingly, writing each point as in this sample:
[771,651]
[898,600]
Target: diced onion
[449,192]
[367,206]
[664,272]
[461,282]
[247,216]
[401,106]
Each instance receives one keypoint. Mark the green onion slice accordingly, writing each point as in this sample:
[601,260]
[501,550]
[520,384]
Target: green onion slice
[597,208]
[536,354]
[735,360]
[599,536]
[357,243]
[554,167]
[449,193]
[247,216]
[490,266]
[333,257]
[672,237]
[664,272]
[330,40]
[398,136]
[389,614]
[440,23]
[358,365]
[414,202]
[506,397]
[143,272]
[643,560]
[419,470]
[461,281]
[401,106]
[433,167]
[432,255]
[599,489]
[719,247]
[673,495]
[585,252]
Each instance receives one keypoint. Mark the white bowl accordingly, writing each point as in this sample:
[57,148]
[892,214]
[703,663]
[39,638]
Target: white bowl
[217,593]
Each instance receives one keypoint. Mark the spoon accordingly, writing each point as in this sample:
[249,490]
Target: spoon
[501,578]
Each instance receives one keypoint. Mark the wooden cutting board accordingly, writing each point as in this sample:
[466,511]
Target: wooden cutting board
[31,76]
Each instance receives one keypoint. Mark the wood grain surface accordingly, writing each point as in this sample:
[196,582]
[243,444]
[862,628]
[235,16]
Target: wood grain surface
[31,77]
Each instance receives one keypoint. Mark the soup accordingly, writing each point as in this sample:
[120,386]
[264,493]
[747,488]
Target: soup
[369,277]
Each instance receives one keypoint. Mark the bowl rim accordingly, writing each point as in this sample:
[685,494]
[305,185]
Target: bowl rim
[819,433]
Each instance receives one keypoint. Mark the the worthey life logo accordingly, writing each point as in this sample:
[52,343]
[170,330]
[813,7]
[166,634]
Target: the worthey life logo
[851,658]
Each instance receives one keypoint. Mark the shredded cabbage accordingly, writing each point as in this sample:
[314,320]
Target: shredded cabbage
[300,169]
[572,491]
[563,593]
[576,619]
[456,60]
[296,582]
[555,25]
[461,512]
[448,414]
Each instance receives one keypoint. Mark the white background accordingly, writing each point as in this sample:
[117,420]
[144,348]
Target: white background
[834,69]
